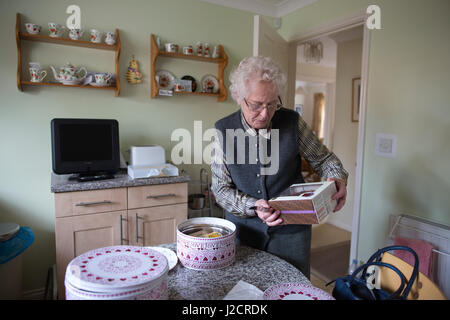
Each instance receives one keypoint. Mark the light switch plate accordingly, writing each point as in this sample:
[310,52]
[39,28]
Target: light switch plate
[386,145]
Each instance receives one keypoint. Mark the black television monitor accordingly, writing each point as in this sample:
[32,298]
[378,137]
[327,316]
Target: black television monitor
[87,147]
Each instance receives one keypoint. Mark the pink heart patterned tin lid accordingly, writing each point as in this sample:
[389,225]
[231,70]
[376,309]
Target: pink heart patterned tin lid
[116,268]
[295,291]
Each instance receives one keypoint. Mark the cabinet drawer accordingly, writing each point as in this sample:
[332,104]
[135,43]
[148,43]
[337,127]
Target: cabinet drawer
[93,201]
[157,195]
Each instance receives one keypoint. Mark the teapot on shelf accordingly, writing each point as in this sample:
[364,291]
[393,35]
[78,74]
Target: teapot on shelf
[68,74]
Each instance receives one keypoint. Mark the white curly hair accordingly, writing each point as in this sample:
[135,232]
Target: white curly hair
[255,69]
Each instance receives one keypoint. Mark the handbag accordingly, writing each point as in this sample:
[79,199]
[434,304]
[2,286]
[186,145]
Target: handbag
[352,287]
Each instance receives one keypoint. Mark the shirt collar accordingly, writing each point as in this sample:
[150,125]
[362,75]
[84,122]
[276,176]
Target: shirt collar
[265,133]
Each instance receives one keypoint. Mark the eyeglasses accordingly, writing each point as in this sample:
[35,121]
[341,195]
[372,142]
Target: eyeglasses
[258,107]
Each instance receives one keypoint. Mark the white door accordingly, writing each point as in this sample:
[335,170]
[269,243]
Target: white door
[269,43]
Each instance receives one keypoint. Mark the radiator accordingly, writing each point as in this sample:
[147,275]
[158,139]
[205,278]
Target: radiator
[436,234]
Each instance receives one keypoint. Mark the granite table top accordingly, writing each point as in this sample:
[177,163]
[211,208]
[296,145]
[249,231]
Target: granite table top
[253,266]
[63,183]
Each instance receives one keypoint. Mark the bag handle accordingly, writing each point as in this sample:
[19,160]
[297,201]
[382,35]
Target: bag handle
[380,264]
[377,255]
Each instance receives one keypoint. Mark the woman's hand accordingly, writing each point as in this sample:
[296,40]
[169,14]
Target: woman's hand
[341,193]
[267,214]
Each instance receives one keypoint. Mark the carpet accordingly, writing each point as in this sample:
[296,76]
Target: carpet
[331,262]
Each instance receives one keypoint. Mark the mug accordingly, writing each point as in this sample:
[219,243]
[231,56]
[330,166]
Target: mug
[37,75]
[96,36]
[55,29]
[171,47]
[199,49]
[188,50]
[33,28]
[75,34]
[179,87]
[206,50]
[110,38]
[215,52]
[102,78]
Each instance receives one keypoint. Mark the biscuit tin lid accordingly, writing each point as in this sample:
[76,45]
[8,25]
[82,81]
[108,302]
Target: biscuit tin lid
[116,268]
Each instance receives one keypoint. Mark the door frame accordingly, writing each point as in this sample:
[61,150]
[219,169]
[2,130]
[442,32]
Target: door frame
[357,19]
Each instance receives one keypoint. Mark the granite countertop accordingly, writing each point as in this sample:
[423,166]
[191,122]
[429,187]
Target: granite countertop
[256,267]
[61,182]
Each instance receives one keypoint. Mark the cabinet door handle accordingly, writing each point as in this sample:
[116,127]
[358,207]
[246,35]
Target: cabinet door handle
[121,230]
[162,196]
[86,204]
[137,230]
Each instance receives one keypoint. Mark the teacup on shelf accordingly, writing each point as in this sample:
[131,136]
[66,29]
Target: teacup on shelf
[75,34]
[96,36]
[33,28]
[110,38]
[55,30]
[102,78]
[171,47]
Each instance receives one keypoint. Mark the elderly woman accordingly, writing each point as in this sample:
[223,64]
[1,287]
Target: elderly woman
[242,188]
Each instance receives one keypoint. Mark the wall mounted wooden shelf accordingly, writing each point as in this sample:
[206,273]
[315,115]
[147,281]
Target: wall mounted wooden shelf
[23,36]
[222,63]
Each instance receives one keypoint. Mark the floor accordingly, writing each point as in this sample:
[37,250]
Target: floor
[319,283]
[330,250]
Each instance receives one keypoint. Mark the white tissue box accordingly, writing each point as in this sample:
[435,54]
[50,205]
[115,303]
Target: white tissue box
[164,170]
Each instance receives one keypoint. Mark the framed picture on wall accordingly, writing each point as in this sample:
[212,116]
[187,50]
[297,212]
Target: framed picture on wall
[356,96]
[299,109]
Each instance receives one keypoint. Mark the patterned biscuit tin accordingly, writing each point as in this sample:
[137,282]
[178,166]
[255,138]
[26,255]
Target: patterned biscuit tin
[206,253]
[117,273]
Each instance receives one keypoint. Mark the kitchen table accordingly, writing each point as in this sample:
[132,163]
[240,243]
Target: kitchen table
[256,267]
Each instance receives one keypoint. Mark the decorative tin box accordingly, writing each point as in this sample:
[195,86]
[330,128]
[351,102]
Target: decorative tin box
[306,203]
[200,253]
[117,273]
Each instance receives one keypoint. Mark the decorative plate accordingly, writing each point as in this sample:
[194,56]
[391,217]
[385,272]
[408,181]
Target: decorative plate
[165,80]
[194,82]
[116,268]
[295,291]
[210,84]
[169,254]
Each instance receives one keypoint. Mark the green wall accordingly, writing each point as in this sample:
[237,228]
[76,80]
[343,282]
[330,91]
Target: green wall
[408,95]
[25,162]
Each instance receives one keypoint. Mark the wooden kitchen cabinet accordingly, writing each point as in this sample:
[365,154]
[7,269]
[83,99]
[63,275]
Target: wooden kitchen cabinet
[155,225]
[86,220]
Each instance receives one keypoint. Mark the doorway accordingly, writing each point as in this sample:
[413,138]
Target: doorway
[324,93]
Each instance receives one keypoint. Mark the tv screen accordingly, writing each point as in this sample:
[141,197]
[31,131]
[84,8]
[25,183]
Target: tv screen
[85,146]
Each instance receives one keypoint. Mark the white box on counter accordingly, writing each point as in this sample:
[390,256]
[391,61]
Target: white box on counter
[147,155]
[164,170]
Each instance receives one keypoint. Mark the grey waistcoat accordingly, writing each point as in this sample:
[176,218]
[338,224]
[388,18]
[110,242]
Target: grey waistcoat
[246,174]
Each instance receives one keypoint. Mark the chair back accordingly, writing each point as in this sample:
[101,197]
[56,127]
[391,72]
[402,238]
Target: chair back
[422,289]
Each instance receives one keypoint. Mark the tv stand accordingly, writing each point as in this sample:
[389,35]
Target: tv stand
[84,177]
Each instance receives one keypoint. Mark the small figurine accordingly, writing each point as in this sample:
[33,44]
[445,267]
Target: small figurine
[133,74]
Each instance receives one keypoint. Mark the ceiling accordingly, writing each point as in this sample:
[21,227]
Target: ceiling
[271,8]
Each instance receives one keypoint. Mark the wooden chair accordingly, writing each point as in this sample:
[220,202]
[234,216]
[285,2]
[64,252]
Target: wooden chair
[422,289]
